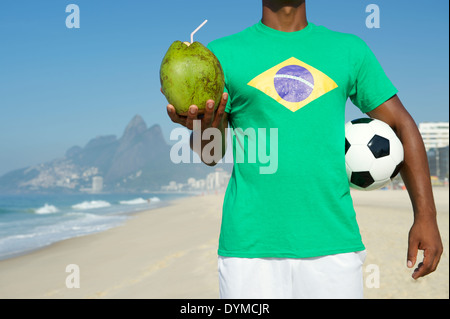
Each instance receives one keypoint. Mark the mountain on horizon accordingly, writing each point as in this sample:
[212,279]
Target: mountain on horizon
[138,161]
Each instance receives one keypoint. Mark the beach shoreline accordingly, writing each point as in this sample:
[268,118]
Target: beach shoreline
[170,252]
[125,213]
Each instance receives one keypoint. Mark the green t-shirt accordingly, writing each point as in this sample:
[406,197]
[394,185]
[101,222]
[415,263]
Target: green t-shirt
[298,204]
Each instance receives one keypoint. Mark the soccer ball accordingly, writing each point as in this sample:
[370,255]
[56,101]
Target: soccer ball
[373,153]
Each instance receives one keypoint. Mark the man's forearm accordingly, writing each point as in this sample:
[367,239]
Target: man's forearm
[215,142]
[424,233]
[415,171]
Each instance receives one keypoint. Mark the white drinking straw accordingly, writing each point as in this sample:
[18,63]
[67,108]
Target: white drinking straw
[199,27]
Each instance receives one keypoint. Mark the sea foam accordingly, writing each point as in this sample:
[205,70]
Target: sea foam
[92,204]
[136,201]
[140,201]
[47,209]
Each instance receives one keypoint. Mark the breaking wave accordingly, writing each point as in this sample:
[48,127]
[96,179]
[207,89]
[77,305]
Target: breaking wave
[90,205]
[47,209]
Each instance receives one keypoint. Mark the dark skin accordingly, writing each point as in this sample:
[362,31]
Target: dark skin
[290,16]
[424,233]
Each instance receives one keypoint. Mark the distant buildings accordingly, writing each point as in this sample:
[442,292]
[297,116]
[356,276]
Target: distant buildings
[97,184]
[438,162]
[434,134]
[436,139]
[217,180]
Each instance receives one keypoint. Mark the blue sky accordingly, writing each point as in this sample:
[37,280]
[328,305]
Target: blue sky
[60,87]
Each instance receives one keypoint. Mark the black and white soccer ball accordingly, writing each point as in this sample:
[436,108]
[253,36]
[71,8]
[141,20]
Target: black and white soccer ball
[373,153]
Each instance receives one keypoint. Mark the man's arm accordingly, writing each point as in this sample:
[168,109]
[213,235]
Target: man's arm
[220,123]
[424,233]
[212,118]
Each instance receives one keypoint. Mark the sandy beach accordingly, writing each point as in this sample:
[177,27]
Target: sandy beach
[171,252]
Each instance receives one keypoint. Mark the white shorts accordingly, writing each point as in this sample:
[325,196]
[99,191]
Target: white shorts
[329,277]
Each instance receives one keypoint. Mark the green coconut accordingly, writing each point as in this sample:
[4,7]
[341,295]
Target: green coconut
[191,74]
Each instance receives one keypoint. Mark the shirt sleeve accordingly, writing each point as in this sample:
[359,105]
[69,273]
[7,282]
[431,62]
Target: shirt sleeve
[225,90]
[371,86]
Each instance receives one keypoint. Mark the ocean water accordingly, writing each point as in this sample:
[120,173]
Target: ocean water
[29,222]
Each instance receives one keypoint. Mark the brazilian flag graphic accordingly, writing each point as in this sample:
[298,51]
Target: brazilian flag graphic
[293,84]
